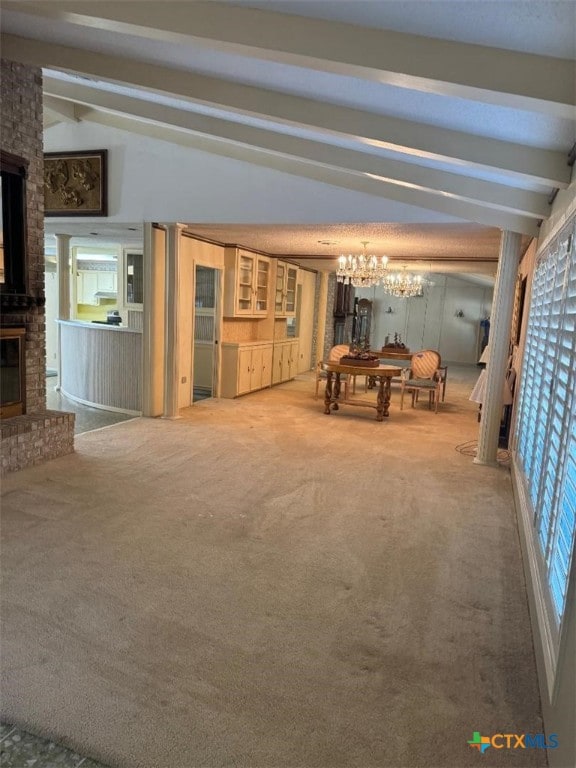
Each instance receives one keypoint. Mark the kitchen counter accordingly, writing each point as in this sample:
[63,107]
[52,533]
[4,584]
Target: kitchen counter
[97,325]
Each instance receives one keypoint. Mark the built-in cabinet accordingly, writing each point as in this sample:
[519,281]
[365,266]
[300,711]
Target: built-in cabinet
[285,361]
[246,284]
[246,367]
[90,283]
[285,289]
[261,289]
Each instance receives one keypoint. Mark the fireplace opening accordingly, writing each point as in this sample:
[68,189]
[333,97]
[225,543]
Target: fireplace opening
[12,397]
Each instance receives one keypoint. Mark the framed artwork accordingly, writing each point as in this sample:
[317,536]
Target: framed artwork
[75,183]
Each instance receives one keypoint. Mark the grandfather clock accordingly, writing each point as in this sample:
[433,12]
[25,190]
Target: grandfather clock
[361,323]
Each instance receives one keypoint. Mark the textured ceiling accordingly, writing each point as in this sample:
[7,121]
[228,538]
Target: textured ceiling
[427,242]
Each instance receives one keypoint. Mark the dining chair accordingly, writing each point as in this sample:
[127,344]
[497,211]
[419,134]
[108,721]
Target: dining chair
[333,357]
[443,373]
[423,374]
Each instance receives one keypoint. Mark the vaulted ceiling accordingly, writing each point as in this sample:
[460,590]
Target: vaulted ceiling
[464,110]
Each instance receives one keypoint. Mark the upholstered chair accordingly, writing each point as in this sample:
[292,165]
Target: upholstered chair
[423,374]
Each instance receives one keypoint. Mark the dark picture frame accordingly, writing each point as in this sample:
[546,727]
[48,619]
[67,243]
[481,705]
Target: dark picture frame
[76,183]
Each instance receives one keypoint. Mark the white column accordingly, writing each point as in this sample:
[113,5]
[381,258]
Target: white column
[63,257]
[171,372]
[500,323]
[63,310]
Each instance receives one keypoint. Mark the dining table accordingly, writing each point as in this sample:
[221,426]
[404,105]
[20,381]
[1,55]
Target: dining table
[335,395]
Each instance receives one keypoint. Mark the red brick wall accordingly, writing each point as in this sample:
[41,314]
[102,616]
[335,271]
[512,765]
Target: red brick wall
[21,133]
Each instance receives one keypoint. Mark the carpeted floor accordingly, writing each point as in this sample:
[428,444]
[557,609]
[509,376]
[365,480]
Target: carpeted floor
[259,585]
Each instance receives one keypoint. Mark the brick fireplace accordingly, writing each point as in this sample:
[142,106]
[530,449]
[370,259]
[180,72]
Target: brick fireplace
[35,434]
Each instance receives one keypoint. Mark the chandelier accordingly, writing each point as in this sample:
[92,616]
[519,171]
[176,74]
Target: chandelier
[403,285]
[362,271]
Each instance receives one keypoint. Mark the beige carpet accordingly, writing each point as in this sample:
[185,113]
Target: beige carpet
[261,585]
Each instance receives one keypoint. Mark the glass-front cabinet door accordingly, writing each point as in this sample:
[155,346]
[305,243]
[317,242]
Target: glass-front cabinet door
[245,295]
[290,296]
[246,283]
[279,292]
[285,293]
[262,281]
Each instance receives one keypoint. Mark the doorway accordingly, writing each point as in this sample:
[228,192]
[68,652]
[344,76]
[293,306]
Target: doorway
[305,319]
[206,333]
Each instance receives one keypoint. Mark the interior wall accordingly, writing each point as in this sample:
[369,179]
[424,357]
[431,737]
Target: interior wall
[433,321]
[159,181]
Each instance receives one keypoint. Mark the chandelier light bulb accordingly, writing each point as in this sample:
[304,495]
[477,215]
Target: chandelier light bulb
[363,270]
[403,285]
[367,270]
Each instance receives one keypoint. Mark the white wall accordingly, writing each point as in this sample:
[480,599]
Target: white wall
[430,322]
[154,180]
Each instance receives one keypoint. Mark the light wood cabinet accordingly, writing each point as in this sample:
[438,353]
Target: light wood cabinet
[90,282]
[246,284]
[285,289]
[285,361]
[245,368]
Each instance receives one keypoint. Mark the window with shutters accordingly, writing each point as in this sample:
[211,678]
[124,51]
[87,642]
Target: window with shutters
[546,423]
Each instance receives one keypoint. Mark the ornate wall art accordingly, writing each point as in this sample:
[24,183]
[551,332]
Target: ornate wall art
[75,183]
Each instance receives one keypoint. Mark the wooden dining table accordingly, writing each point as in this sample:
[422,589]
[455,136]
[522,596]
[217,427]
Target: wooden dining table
[333,395]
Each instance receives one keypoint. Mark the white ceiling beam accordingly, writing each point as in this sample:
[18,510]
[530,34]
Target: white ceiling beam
[415,139]
[449,68]
[436,182]
[63,110]
[334,177]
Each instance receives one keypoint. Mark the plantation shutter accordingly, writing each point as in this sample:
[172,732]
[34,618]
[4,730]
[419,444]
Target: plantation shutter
[546,423]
